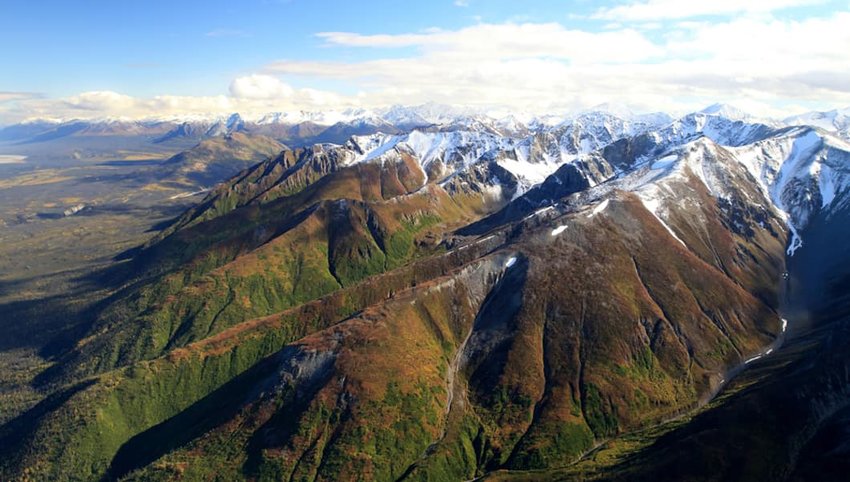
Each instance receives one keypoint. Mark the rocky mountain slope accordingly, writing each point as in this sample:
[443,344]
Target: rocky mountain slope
[438,304]
[219,158]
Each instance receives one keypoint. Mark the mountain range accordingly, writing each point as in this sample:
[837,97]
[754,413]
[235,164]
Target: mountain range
[434,294]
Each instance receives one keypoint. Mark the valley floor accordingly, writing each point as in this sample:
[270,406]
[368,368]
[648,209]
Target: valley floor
[50,262]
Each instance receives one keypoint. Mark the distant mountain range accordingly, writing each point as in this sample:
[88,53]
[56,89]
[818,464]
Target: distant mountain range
[432,294]
[304,128]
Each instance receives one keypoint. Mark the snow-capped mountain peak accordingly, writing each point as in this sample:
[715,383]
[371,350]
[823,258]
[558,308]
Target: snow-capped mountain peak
[234,122]
[836,120]
[726,110]
[803,171]
[619,110]
[402,116]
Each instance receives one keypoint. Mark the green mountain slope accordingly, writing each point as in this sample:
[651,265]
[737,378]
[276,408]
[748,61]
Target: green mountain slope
[321,319]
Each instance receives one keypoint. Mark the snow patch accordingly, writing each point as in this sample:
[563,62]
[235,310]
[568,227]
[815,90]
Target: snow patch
[11,159]
[665,162]
[653,205]
[826,182]
[531,172]
[796,241]
[538,212]
[559,230]
[598,209]
[541,211]
[187,194]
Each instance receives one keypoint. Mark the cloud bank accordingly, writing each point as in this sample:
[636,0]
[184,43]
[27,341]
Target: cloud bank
[651,55]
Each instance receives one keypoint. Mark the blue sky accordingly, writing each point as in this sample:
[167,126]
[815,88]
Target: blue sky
[141,59]
[190,48]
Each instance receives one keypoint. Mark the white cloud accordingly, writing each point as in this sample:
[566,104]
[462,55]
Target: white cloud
[8,96]
[759,62]
[260,87]
[101,101]
[461,3]
[653,10]
[507,41]
[252,95]
[794,45]
[763,62]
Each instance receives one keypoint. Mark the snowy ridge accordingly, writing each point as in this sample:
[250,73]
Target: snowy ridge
[733,113]
[722,130]
[455,149]
[836,121]
[658,182]
[803,171]
[664,183]
[798,171]
[530,160]
[700,158]
[326,118]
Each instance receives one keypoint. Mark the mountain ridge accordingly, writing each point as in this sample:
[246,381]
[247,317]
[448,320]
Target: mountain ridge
[439,303]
